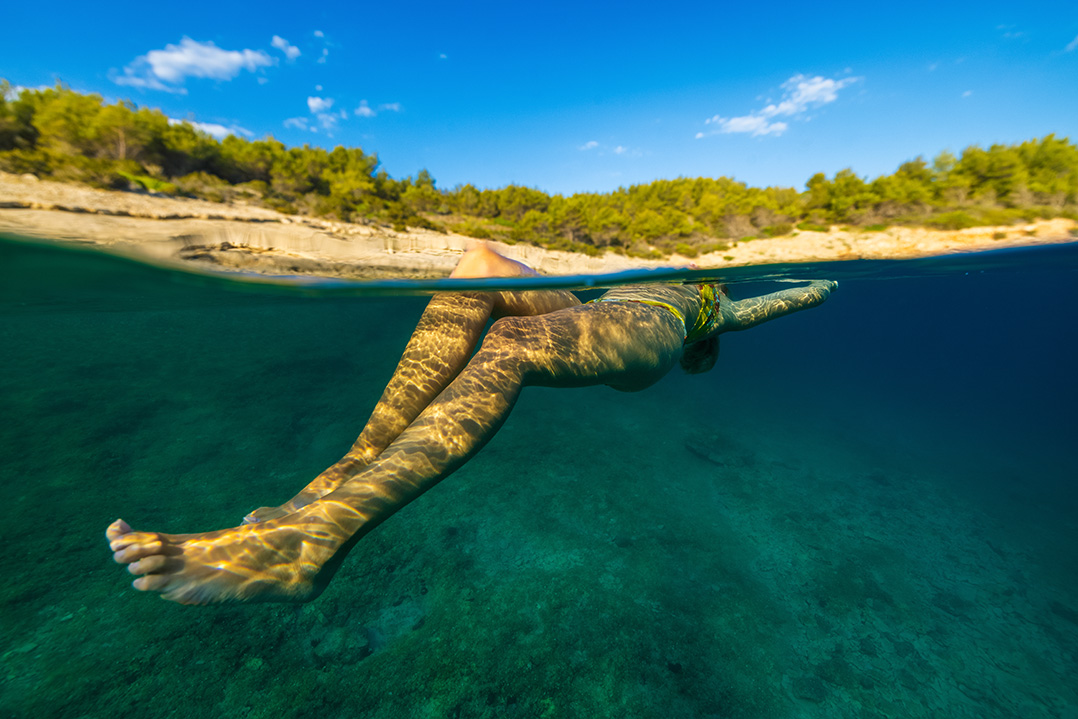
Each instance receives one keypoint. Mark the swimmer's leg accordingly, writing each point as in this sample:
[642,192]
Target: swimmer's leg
[292,558]
[439,348]
[443,341]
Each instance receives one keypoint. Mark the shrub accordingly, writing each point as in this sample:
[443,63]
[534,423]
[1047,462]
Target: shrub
[332,206]
[562,243]
[644,254]
[151,184]
[999,235]
[957,220]
[812,227]
[473,229]
[92,171]
[778,229]
[426,224]
[18,162]
[202,184]
[714,247]
[999,216]
[274,203]
[523,234]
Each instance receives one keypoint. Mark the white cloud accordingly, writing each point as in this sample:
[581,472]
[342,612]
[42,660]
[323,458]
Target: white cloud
[167,69]
[320,108]
[212,128]
[805,92]
[318,88]
[365,110]
[967,93]
[290,51]
[326,45]
[319,104]
[443,56]
[328,121]
[1072,45]
[144,81]
[800,94]
[753,124]
[303,123]
[601,150]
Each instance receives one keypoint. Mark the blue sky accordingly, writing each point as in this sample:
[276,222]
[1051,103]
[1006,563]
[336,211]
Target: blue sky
[571,97]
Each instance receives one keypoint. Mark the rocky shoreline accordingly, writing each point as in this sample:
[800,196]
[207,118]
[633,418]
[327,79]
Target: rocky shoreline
[255,239]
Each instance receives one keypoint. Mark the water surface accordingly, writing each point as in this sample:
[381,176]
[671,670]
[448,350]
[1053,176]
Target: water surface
[866,509]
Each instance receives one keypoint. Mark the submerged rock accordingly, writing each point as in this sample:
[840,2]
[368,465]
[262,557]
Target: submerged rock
[809,688]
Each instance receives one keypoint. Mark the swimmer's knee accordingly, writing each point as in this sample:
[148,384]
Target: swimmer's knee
[508,329]
[482,260]
[506,340]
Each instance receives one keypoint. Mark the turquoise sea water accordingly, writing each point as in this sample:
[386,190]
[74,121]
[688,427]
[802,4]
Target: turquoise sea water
[866,510]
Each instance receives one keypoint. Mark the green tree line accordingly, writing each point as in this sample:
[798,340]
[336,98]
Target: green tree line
[65,135]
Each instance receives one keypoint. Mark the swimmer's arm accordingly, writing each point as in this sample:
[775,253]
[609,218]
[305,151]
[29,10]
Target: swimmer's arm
[743,314]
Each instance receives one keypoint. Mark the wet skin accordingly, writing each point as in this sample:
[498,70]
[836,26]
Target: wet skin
[438,410]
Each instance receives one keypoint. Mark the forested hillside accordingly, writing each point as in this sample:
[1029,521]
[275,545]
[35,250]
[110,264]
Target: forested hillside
[64,135]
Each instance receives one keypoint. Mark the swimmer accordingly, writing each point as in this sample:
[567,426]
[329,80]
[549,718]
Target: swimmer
[438,410]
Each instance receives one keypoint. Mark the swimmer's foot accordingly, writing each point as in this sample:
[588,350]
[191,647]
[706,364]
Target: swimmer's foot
[268,562]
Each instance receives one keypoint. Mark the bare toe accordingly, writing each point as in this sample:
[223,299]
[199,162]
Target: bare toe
[116,530]
[148,565]
[143,545]
[151,583]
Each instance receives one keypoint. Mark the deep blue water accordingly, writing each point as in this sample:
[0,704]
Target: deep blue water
[866,509]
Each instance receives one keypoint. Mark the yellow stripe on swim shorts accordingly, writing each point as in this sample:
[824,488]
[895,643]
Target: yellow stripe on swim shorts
[708,317]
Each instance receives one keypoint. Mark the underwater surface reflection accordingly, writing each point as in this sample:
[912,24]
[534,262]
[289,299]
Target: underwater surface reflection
[867,509]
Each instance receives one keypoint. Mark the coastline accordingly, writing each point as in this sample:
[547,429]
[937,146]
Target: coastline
[255,239]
